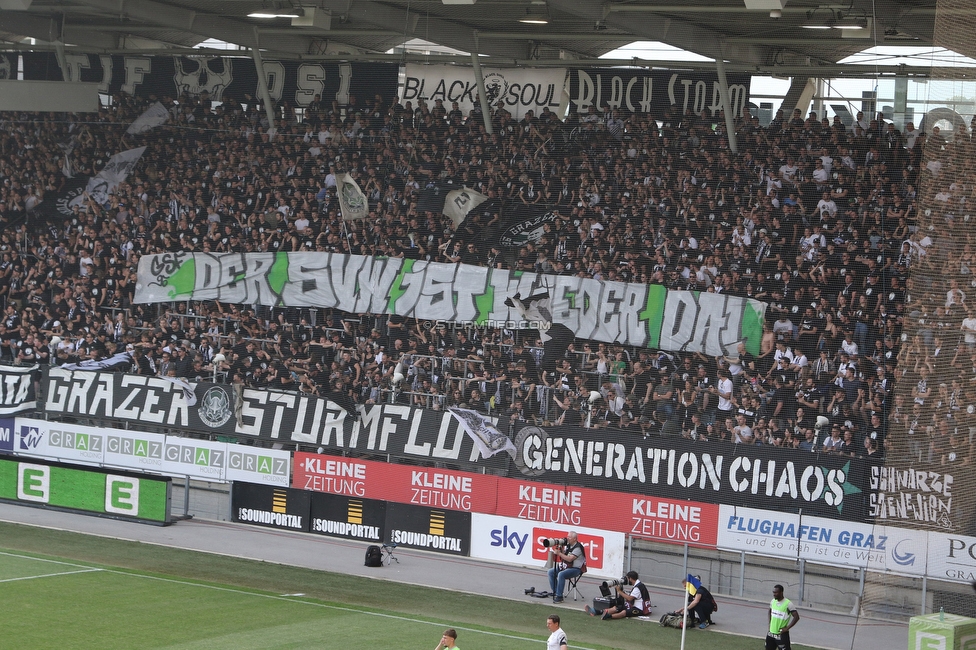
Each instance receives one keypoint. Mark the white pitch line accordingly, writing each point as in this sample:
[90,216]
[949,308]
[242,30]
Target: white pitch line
[325,606]
[49,575]
[290,600]
[41,559]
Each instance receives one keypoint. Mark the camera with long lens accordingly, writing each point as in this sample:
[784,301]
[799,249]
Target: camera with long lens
[607,587]
[555,541]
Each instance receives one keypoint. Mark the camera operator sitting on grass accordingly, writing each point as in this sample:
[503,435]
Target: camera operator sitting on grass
[569,558]
[632,602]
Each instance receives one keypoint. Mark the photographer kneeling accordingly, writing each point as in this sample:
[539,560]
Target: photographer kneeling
[633,602]
[569,558]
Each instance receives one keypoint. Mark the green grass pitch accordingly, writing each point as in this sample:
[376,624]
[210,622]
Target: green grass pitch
[66,590]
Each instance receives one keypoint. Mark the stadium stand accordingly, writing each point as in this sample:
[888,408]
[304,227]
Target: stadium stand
[816,220]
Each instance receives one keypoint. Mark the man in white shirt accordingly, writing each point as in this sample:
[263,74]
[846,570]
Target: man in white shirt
[636,600]
[862,122]
[969,330]
[850,347]
[724,389]
[910,136]
[821,175]
[742,431]
[788,171]
[330,178]
[557,638]
[826,206]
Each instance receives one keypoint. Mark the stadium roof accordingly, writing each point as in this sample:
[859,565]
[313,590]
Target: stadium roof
[806,38]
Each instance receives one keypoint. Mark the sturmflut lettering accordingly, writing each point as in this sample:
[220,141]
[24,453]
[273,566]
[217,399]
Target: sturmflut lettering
[345,529]
[273,518]
[439,542]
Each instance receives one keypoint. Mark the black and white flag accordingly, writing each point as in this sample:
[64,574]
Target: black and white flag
[460,202]
[155,115]
[483,432]
[351,198]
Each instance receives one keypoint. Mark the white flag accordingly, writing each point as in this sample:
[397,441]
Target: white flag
[155,115]
[460,202]
[351,198]
[184,385]
[486,435]
[118,168]
[67,147]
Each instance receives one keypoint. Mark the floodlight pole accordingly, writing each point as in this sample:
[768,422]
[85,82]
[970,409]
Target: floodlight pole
[263,86]
[480,80]
[723,93]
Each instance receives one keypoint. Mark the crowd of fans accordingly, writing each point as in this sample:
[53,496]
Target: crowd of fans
[817,219]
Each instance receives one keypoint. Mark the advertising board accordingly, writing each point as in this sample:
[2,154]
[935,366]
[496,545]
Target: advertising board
[519,541]
[151,452]
[429,529]
[274,507]
[824,541]
[348,517]
[661,519]
[122,495]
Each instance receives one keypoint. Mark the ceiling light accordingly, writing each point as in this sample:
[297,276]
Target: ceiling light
[290,14]
[816,27]
[850,23]
[536,15]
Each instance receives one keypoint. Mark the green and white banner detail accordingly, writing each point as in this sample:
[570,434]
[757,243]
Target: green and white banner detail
[613,312]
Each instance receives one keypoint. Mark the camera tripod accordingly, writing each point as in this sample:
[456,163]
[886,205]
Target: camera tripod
[388,556]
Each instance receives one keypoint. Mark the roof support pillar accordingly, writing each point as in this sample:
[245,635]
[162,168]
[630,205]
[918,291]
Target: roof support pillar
[723,94]
[480,81]
[263,88]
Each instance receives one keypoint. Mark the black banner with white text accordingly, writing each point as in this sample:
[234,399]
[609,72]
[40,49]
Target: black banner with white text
[765,477]
[275,416]
[654,91]
[222,77]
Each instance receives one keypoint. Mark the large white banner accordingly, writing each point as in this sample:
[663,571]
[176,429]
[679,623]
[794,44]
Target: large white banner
[151,452]
[757,531]
[952,557]
[823,541]
[519,541]
[520,89]
[615,312]
[884,549]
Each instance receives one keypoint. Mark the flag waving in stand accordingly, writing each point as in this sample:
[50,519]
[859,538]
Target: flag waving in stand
[460,202]
[485,435]
[352,201]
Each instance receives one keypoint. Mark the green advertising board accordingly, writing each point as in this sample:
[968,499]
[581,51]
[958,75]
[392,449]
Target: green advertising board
[942,632]
[86,490]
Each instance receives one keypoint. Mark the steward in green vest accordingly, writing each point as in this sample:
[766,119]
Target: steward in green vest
[782,617]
